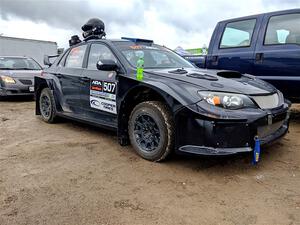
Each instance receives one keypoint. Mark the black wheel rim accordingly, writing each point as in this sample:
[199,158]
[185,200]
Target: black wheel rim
[45,106]
[146,133]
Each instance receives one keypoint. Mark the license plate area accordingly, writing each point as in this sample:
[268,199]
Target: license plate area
[31,88]
[264,131]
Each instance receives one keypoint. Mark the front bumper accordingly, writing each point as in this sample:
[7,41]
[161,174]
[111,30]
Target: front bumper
[21,87]
[204,136]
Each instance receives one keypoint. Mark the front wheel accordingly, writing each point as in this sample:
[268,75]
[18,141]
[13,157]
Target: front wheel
[47,106]
[151,130]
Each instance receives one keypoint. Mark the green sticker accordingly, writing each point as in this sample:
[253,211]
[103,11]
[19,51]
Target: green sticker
[140,69]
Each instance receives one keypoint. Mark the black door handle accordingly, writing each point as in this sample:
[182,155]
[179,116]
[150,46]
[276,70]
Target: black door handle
[259,57]
[85,79]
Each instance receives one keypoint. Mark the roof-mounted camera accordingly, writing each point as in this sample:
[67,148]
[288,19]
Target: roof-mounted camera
[74,40]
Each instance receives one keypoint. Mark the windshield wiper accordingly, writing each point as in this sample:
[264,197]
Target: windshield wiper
[178,71]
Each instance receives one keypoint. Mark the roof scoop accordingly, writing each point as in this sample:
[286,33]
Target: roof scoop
[229,74]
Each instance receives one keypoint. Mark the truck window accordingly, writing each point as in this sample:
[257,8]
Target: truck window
[99,52]
[238,34]
[75,57]
[283,29]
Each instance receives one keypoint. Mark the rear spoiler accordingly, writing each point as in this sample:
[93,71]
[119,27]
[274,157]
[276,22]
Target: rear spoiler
[47,59]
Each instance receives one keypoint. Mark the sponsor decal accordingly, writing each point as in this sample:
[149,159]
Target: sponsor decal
[96,82]
[136,47]
[103,95]
[96,85]
[150,47]
[103,104]
[95,103]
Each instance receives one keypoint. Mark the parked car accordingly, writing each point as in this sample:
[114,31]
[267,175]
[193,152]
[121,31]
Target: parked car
[265,45]
[17,75]
[158,101]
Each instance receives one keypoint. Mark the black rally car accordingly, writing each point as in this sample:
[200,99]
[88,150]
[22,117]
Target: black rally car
[158,101]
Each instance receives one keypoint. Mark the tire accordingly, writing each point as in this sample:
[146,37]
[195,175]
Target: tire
[151,130]
[47,106]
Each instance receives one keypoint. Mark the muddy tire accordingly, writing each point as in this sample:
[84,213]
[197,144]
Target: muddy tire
[151,130]
[47,106]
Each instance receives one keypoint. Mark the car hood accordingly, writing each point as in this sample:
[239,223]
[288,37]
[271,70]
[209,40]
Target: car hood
[20,73]
[215,80]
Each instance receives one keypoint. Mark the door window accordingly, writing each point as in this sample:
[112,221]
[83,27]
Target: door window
[284,29]
[62,60]
[75,57]
[238,34]
[99,52]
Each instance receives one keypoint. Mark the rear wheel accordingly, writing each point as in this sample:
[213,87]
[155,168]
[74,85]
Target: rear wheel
[47,106]
[151,130]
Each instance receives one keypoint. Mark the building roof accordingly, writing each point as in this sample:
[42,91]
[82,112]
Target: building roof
[26,39]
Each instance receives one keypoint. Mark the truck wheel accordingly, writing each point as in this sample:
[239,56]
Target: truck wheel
[151,130]
[47,106]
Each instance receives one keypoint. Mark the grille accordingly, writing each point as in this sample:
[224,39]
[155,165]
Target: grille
[267,101]
[26,82]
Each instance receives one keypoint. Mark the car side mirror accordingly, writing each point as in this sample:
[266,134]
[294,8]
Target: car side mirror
[107,65]
[47,61]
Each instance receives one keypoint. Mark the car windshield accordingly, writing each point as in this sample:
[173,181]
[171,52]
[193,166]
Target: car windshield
[154,56]
[14,63]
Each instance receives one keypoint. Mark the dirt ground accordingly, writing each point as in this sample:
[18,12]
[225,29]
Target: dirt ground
[70,173]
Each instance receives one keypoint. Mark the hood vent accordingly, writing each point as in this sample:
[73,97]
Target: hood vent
[202,76]
[229,74]
[178,71]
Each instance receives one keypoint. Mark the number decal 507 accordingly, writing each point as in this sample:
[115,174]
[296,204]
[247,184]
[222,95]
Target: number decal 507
[109,87]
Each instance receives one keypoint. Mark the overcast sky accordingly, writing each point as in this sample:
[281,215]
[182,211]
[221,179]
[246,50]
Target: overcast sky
[173,23]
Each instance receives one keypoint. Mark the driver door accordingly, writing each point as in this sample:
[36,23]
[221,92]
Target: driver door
[99,88]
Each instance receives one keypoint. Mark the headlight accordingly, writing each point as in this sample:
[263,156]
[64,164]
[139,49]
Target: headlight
[8,80]
[227,100]
[281,97]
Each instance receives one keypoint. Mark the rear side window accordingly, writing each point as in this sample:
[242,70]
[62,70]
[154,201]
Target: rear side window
[99,52]
[75,57]
[284,29]
[238,34]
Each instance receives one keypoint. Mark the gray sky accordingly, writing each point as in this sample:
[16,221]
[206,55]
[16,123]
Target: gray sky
[188,23]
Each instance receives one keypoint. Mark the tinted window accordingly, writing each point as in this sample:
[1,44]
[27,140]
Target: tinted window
[238,34]
[283,29]
[99,52]
[12,63]
[75,57]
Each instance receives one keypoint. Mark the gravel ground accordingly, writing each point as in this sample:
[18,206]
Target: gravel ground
[70,173]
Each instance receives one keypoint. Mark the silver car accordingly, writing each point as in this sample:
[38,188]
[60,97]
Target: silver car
[17,75]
